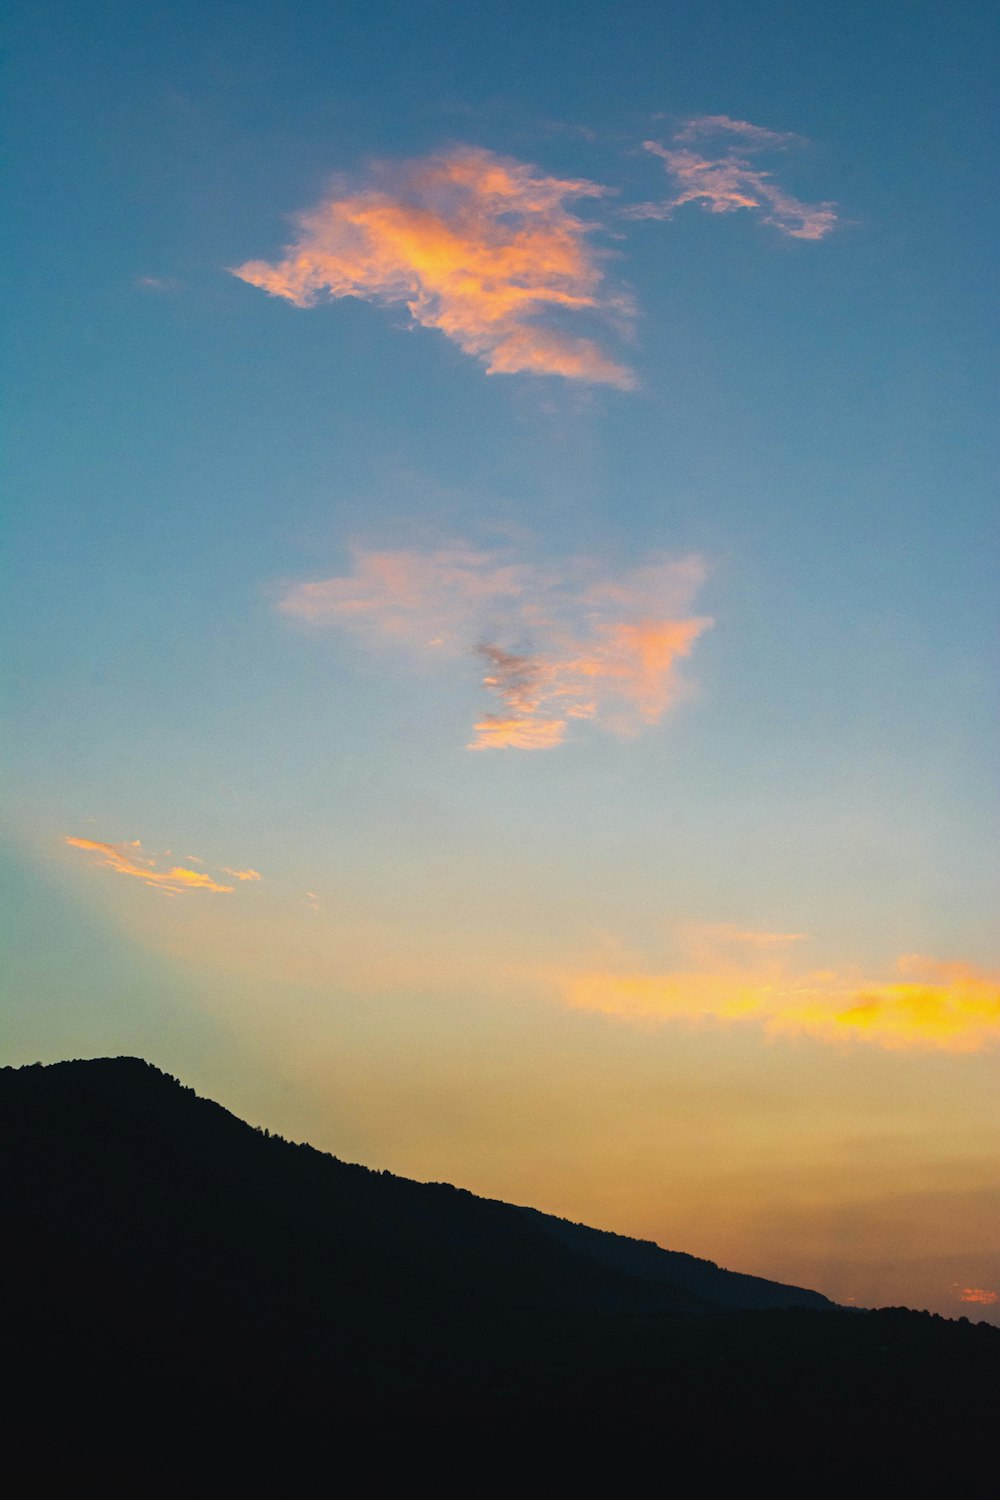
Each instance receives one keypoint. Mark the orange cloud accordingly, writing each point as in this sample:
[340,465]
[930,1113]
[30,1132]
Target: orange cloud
[980,1295]
[727,181]
[945,1006]
[595,648]
[241,874]
[128,859]
[494,732]
[476,245]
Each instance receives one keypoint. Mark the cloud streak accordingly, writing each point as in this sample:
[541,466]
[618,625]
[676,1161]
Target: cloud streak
[725,180]
[479,246]
[725,932]
[951,1007]
[129,859]
[557,645]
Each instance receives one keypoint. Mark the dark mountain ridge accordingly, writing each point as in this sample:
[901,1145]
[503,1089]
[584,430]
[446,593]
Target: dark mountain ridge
[437,1227]
[175,1270]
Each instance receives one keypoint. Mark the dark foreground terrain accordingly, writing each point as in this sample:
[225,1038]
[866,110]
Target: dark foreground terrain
[191,1306]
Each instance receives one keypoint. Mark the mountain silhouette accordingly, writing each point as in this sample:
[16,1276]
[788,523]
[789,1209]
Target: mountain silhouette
[184,1289]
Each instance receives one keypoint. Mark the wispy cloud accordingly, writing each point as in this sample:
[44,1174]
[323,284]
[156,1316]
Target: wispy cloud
[416,598]
[129,859]
[556,644]
[753,137]
[157,283]
[951,1007]
[725,932]
[241,874]
[725,179]
[480,246]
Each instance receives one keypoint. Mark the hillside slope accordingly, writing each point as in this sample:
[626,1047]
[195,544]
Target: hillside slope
[178,1278]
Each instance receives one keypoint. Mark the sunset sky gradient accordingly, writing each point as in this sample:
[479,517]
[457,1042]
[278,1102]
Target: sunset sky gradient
[503,553]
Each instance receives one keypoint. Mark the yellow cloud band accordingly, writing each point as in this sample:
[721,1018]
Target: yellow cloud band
[947,1006]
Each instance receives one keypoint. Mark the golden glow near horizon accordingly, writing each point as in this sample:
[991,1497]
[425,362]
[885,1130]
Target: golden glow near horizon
[741,976]
[668,1105]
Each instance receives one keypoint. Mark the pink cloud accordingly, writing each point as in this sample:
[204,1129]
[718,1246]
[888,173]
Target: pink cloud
[624,672]
[559,644]
[422,599]
[726,181]
[480,246]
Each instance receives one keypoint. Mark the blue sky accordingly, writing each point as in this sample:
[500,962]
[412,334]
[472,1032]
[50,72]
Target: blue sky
[718,853]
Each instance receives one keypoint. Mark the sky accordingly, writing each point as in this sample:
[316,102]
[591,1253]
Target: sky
[501,673]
